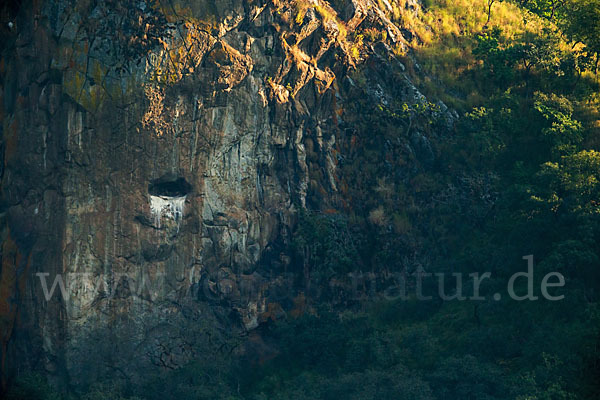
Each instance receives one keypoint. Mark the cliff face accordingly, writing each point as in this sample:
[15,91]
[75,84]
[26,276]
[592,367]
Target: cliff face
[156,156]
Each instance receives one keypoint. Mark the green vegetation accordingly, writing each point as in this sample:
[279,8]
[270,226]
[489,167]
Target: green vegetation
[519,174]
[324,242]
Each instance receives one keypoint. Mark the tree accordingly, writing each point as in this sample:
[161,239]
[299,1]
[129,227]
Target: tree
[490,3]
[544,8]
[580,21]
[573,184]
[324,244]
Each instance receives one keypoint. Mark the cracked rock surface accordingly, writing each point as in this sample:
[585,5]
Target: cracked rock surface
[165,191]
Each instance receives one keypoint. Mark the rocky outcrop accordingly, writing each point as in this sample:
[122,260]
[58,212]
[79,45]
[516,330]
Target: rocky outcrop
[162,182]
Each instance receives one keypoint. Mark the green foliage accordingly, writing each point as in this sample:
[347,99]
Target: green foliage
[562,131]
[530,59]
[210,378]
[573,184]
[468,378]
[325,243]
[580,22]
[578,19]
[544,8]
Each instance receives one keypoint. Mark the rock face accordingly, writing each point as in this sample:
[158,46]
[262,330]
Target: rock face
[157,168]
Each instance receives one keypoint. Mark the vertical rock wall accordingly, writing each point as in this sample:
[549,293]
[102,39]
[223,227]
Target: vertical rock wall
[162,191]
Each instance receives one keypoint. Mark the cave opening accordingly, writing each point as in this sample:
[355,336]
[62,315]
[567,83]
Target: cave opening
[169,188]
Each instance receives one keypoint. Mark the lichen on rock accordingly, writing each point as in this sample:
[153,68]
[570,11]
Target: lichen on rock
[244,100]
